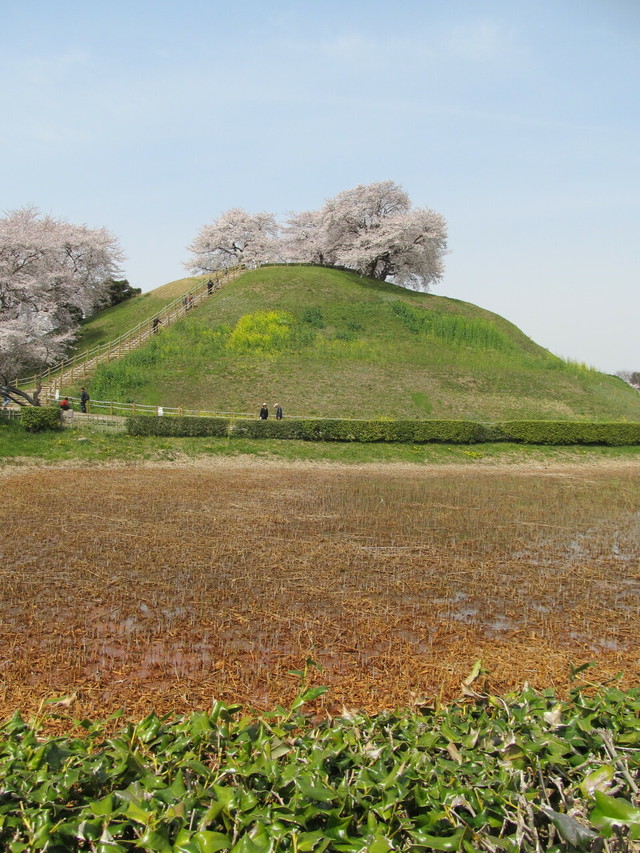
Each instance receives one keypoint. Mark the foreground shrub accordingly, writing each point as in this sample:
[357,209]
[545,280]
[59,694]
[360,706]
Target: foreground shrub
[38,419]
[521,773]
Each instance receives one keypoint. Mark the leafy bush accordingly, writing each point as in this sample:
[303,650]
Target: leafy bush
[38,419]
[326,429]
[499,774]
[407,432]
[314,317]
[570,432]
[291,429]
[180,426]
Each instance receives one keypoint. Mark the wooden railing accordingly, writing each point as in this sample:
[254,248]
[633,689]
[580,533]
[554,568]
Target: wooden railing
[110,408]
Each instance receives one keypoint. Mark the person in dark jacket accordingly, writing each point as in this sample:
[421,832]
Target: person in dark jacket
[278,412]
[84,399]
[264,412]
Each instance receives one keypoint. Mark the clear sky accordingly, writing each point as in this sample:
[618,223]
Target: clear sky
[518,120]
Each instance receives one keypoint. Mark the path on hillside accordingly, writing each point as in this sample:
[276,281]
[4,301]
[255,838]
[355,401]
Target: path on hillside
[79,367]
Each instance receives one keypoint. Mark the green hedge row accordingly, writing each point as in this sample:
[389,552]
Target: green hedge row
[179,426]
[458,432]
[409,432]
[570,432]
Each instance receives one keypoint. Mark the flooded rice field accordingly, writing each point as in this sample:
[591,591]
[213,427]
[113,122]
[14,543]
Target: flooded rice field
[166,587]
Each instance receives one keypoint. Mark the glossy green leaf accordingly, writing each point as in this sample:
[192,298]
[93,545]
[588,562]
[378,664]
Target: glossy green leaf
[597,780]
[308,696]
[318,793]
[438,842]
[155,841]
[579,836]
[103,807]
[138,814]
[615,811]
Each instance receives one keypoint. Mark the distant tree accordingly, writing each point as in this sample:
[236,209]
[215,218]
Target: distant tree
[630,376]
[374,230]
[118,291]
[304,239]
[52,273]
[236,237]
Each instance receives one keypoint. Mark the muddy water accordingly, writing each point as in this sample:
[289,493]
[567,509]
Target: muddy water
[160,586]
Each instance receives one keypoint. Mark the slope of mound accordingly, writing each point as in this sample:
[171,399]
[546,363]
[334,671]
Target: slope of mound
[330,343]
[113,322]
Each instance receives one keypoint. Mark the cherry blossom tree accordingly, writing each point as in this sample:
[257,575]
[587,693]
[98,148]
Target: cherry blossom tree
[52,273]
[632,377]
[236,237]
[304,239]
[374,230]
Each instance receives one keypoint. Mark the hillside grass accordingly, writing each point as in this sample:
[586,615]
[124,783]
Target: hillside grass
[326,342]
[109,324]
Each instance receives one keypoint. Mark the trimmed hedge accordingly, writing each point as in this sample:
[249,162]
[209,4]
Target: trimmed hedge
[457,432]
[406,432]
[38,419]
[570,432]
[178,427]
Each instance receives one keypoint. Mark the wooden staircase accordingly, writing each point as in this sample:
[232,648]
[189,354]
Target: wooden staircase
[82,365]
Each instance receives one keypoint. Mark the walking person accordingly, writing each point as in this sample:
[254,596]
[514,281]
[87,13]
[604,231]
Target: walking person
[209,287]
[84,399]
[156,322]
[264,412]
[278,412]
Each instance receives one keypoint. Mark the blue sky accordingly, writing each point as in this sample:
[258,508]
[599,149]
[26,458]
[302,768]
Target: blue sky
[518,121]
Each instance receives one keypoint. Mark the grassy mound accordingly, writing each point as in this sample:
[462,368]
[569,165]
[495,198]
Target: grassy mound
[328,342]
[113,322]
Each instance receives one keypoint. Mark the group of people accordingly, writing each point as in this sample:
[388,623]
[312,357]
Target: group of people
[264,412]
[65,405]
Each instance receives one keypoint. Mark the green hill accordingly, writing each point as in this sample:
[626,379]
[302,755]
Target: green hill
[113,322]
[328,342]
